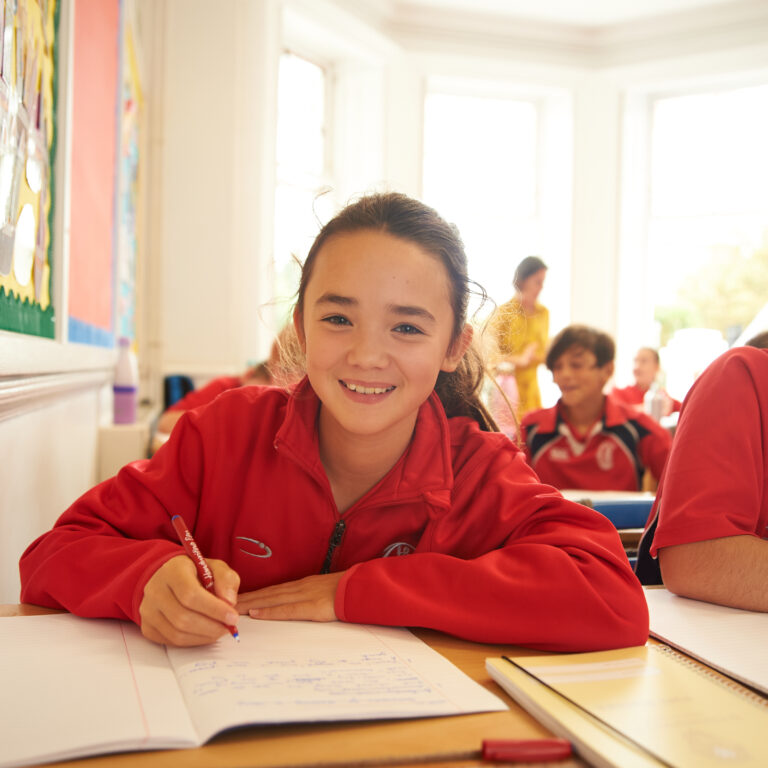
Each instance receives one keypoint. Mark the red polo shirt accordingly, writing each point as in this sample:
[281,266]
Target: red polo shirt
[612,456]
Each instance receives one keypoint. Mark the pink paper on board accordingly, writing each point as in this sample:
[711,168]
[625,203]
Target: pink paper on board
[94,132]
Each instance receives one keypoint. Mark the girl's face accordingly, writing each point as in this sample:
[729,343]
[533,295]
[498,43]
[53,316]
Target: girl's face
[532,285]
[376,327]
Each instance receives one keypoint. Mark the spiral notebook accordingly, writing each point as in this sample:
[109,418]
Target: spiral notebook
[728,639]
[640,707]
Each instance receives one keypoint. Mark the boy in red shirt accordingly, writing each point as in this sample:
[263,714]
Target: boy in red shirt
[589,440]
[646,369]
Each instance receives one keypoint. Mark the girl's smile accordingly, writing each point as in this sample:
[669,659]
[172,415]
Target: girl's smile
[365,391]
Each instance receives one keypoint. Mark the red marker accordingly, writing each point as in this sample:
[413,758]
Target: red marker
[526,750]
[203,571]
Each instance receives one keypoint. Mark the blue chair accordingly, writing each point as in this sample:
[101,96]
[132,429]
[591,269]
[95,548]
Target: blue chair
[175,387]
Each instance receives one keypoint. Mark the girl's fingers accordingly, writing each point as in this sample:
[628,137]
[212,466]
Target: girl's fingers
[309,599]
[178,610]
[226,582]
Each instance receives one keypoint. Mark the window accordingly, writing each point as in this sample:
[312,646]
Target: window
[707,232]
[498,166]
[481,172]
[497,163]
[302,164]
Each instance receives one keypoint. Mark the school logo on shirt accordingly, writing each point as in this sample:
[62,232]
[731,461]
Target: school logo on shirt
[254,547]
[605,456]
[397,549]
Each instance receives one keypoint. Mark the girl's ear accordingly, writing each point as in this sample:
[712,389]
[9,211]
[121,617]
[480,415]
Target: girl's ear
[298,325]
[457,349]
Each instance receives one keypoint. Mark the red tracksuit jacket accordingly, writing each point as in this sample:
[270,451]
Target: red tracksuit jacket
[459,536]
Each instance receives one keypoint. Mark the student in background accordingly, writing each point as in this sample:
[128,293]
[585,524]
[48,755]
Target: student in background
[265,373]
[709,524]
[521,330]
[258,375]
[646,370]
[375,490]
[588,440]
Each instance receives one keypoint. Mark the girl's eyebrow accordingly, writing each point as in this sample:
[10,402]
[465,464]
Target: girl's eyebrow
[411,311]
[335,298]
[408,310]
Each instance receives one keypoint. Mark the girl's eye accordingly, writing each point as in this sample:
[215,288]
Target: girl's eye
[407,328]
[336,320]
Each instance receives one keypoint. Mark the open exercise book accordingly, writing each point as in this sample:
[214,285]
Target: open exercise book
[71,687]
[728,639]
[641,707]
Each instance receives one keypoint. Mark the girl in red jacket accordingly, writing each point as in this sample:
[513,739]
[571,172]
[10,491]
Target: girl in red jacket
[376,490]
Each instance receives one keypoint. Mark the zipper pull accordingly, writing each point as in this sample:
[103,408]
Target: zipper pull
[336,536]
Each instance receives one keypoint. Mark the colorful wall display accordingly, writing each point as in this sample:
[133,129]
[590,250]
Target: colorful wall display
[103,187]
[27,141]
[131,108]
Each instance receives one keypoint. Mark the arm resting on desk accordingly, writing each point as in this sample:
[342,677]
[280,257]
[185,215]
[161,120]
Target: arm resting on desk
[730,571]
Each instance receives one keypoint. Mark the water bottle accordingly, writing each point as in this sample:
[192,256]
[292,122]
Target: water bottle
[126,384]
[653,402]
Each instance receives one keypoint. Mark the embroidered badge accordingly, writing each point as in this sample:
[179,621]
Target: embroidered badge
[397,549]
[605,456]
[262,550]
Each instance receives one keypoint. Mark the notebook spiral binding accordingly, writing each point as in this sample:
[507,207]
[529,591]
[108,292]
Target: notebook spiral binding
[726,682]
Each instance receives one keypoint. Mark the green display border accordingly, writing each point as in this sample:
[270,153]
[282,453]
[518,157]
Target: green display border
[24,316]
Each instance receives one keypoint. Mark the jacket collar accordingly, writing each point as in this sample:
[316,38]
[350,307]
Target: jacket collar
[614,414]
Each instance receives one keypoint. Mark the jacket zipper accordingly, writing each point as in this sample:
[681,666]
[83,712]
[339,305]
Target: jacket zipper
[336,536]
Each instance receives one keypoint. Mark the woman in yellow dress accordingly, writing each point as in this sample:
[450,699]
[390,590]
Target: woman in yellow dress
[521,330]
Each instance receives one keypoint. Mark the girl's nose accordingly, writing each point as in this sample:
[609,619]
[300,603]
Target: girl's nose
[367,350]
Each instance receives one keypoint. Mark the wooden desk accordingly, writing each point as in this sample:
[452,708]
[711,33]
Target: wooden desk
[440,742]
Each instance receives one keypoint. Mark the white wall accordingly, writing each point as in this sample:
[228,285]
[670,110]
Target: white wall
[217,135]
[49,459]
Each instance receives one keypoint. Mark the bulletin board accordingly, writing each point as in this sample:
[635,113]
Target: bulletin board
[27,144]
[104,186]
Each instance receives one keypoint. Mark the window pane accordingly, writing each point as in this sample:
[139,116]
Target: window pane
[710,154]
[708,228]
[300,115]
[300,206]
[480,171]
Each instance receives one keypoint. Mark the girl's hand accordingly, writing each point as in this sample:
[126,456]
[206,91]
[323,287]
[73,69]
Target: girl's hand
[308,599]
[177,610]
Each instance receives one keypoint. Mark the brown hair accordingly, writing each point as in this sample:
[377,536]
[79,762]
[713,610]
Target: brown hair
[600,344]
[654,353]
[760,341]
[530,265]
[408,219]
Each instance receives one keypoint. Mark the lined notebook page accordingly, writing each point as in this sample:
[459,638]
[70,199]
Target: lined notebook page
[730,640]
[68,687]
[284,672]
